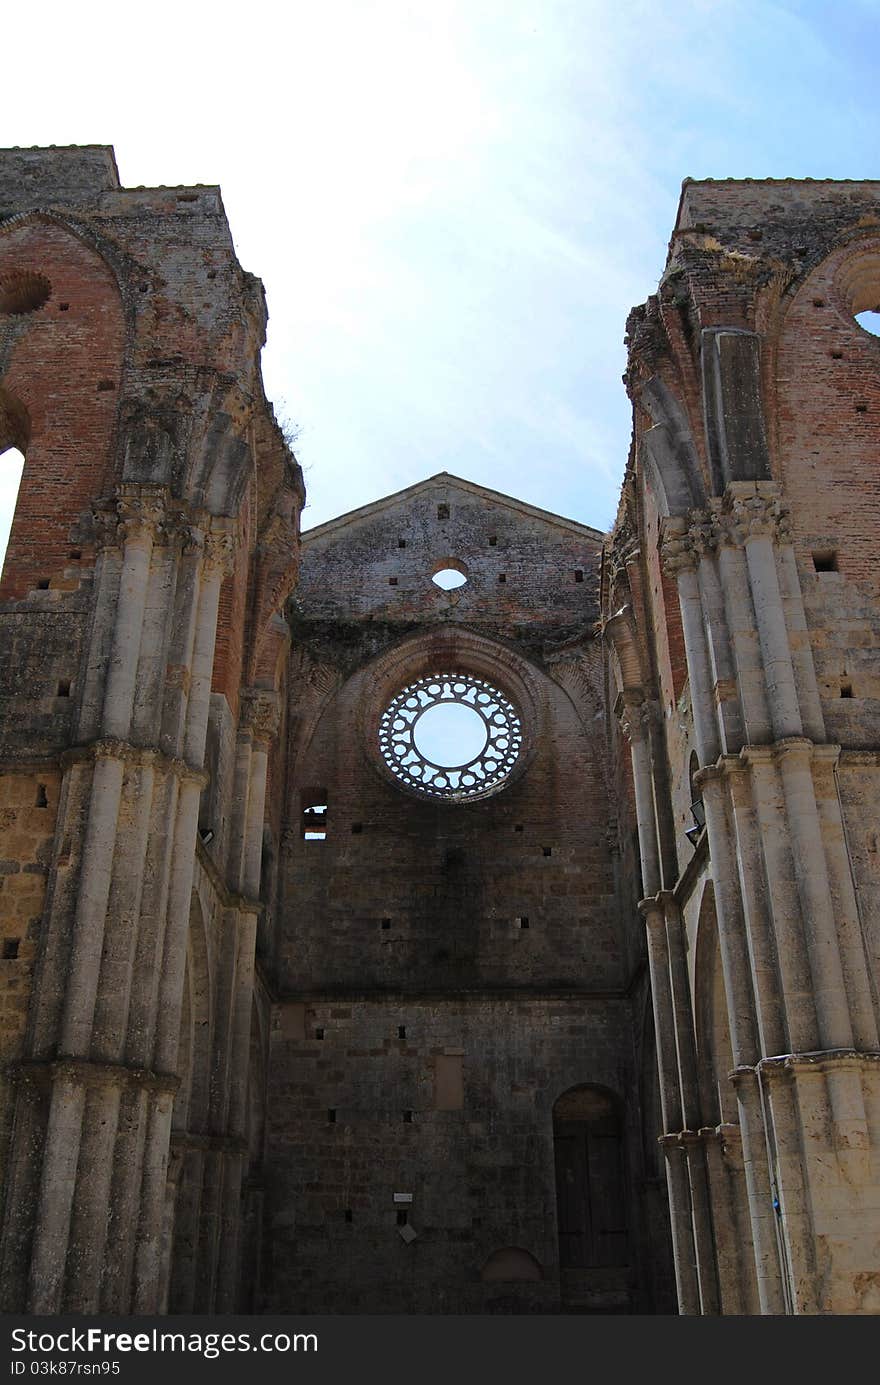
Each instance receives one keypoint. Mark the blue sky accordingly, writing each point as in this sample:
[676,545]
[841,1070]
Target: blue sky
[453,205]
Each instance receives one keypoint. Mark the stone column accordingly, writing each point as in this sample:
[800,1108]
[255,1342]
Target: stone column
[680,556]
[683,1250]
[752,517]
[164,1021]
[687,1066]
[634,724]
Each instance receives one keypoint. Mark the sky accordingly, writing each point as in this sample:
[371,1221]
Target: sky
[452,204]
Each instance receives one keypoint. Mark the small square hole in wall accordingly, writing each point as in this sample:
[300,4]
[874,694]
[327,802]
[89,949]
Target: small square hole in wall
[861,408]
[836,354]
[401,543]
[518,827]
[846,690]
[523,921]
[357,828]
[442,511]
[502,577]
[825,560]
[401,1031]
[401,1219]
[407,1117]
[41,801]
[319,1033]
[75,554]
[63,687]
[10,949]
[392,581]
[43,584]
[349,1214]
[331,1116]
[548,850]
[386,924]
[578,574]
[493,540]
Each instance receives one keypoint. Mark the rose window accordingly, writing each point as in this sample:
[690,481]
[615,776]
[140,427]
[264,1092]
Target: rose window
[450,736]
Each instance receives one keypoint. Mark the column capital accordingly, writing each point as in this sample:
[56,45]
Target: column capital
[677,550]
[219,548]
[636,714]
[141,512]
[261,712]
[750,510]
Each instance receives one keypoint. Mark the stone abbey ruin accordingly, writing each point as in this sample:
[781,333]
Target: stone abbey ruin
[298,1013]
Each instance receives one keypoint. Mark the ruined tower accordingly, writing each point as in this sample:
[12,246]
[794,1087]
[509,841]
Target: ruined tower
[305,1010]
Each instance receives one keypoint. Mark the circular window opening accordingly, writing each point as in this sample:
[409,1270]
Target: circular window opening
[22,292]
[870,321]
[450,736]
[447,578]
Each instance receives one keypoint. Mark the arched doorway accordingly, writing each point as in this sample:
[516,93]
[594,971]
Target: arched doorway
[590,1186]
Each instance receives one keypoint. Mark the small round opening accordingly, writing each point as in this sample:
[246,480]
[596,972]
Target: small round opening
[22,291]
[450,734]
[448,578]
[870,321]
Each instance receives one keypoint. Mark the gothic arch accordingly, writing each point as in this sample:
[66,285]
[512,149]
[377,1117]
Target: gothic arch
[669,453]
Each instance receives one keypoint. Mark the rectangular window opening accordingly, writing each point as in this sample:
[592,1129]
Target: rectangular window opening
[401,1219]
[502,577]
[356,827]
[392,581]
[407,1117]
[442,511]
[401,1031]
[10,949]
[349,1214]
[846,690]
[63,687]
[386,924]
[401,543]
[331,1116]
[43,584]
[523,921]
[548,850]
[319,1033]
[493,540]
[518,827]
[825,560]
[578,574]
[41,800]
[314,806]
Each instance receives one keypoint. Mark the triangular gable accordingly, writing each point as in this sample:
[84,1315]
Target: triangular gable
[445,480]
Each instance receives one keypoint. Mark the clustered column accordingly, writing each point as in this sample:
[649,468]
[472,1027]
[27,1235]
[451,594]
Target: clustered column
[802,1021]
[97,1086]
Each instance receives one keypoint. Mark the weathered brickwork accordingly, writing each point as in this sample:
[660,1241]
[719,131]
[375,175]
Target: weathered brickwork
[481,1176]
[283,1030]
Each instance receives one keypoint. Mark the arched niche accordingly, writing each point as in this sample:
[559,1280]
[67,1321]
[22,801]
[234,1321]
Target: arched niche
[64,373]
[511,1265]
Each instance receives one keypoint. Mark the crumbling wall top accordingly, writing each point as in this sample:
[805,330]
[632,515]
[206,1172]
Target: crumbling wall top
[61,174]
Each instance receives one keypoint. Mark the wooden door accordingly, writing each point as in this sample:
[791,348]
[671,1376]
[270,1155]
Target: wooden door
[590,1199]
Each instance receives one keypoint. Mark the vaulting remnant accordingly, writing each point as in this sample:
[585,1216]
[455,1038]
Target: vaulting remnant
[453,909]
